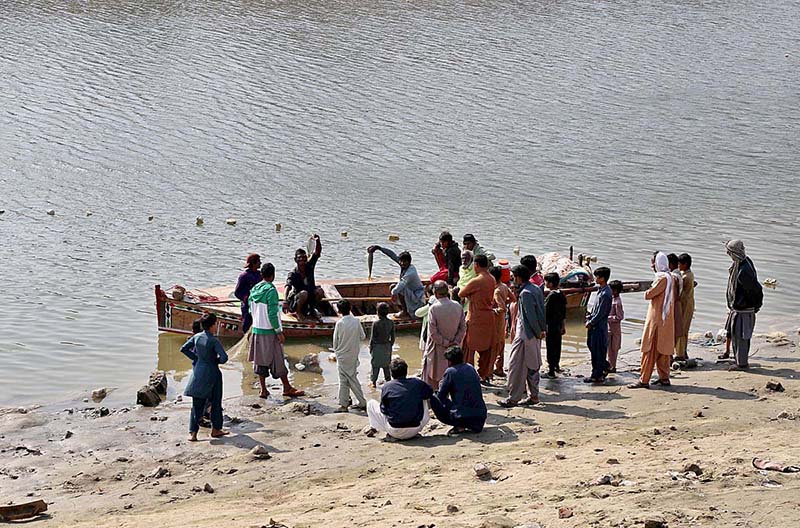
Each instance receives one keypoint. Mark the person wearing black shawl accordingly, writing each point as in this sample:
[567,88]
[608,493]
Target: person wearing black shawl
[745,298]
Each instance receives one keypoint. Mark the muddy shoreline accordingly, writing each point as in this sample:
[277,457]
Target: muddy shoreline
[601,456]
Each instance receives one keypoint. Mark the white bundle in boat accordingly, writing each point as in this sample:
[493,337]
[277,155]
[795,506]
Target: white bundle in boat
[569,270]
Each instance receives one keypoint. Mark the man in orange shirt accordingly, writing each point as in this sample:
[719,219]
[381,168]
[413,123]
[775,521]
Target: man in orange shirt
[480,318]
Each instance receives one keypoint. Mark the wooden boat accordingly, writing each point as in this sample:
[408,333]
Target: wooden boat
[177,309]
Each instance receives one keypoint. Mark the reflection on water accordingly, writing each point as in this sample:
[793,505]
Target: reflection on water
[240,379]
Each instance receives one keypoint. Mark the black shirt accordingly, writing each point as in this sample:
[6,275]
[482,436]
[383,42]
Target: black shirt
[401,401]
[295,283]
[452,259]
[555,308]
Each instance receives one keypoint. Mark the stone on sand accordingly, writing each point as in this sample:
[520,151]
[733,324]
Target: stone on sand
[147,396]
[158,380]
[775,386]
[99,394]
[498,521]
[303,408]
[260,452]
[482,471]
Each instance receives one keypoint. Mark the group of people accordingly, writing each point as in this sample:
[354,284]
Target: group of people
[469,309]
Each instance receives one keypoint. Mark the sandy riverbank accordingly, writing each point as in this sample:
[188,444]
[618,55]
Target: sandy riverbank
[135,468]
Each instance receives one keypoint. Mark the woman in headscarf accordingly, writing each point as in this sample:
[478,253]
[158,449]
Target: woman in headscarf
[745,298]
[658,339]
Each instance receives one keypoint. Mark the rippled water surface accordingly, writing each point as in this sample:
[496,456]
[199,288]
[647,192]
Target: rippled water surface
[617,127]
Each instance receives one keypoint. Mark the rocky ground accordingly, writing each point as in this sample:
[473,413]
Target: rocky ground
[588,456]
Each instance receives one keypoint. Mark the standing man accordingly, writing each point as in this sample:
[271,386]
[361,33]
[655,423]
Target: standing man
[502,299]
[471,244]
[597,327]
[409,292]
[247,279]
[658,338]
[745,298]
[526,348]
[266,343]
[479,292]
[686,302]
[302,293]
[347,336]
[446,328]
[448,257]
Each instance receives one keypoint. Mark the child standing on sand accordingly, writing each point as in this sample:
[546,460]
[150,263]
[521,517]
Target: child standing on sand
[555,313]
[380,344]
[615,318]
[347,336]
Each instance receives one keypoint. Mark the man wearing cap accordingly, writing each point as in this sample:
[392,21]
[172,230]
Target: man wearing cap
[247,279]
[471,244]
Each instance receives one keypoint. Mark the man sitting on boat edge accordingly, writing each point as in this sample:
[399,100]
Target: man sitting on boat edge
[302,293]
[409,292]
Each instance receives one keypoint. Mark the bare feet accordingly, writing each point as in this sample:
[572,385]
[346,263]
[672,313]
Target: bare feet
[219,433]
[341,410]
[293,393]
[507,403]
[457,431]
[530,401]
[638,385]
[193,437]
[359,407]
[263,395]
[370,431]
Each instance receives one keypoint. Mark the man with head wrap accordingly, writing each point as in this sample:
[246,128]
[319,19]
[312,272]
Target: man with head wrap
[745,298]
[658,338]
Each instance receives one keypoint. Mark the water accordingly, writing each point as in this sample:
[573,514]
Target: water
[616,128]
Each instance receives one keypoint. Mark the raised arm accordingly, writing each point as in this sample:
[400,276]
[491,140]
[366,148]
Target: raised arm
[317,246]
[388,252]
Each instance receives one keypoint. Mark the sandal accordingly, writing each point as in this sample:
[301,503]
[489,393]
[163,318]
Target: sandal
[507,404]
[726,355]
[639,385]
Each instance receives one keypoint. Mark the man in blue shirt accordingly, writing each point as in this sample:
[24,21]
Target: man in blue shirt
[459,401]
[403,411]
[597,327]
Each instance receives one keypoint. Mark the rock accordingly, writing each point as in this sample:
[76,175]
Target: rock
[68,435]
[527,461]
[656,431]
[775,386]
[199,221]
[673,428]
[560,443]
[387,502]
[602,481]
[497,521]
[452,508]
[51,212]
[147,396]
[698,414]
[99,394]
[303,408]
[123,459]
[310,363]
[260,452]
[786,415]
[693,468]
[103,411]
[255,405]
[158,380]
[565,513]
[482,471]
[160,472]
[231,221]
[612,461]
[560,456]
[208,488]
[655,522]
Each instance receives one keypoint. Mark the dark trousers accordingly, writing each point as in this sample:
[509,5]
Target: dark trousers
[597,340]
[376,372]
[553,343]
[199,408]
[247,321]
[444,413]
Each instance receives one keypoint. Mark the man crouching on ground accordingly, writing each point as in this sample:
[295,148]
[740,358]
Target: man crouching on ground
[403,410]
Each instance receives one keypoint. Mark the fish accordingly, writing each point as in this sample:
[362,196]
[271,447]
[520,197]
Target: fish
[370,259]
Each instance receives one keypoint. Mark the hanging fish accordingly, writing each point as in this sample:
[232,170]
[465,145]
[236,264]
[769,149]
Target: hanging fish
[370,259]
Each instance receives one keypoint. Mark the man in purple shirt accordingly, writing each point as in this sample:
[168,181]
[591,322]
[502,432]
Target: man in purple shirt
[247,279]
